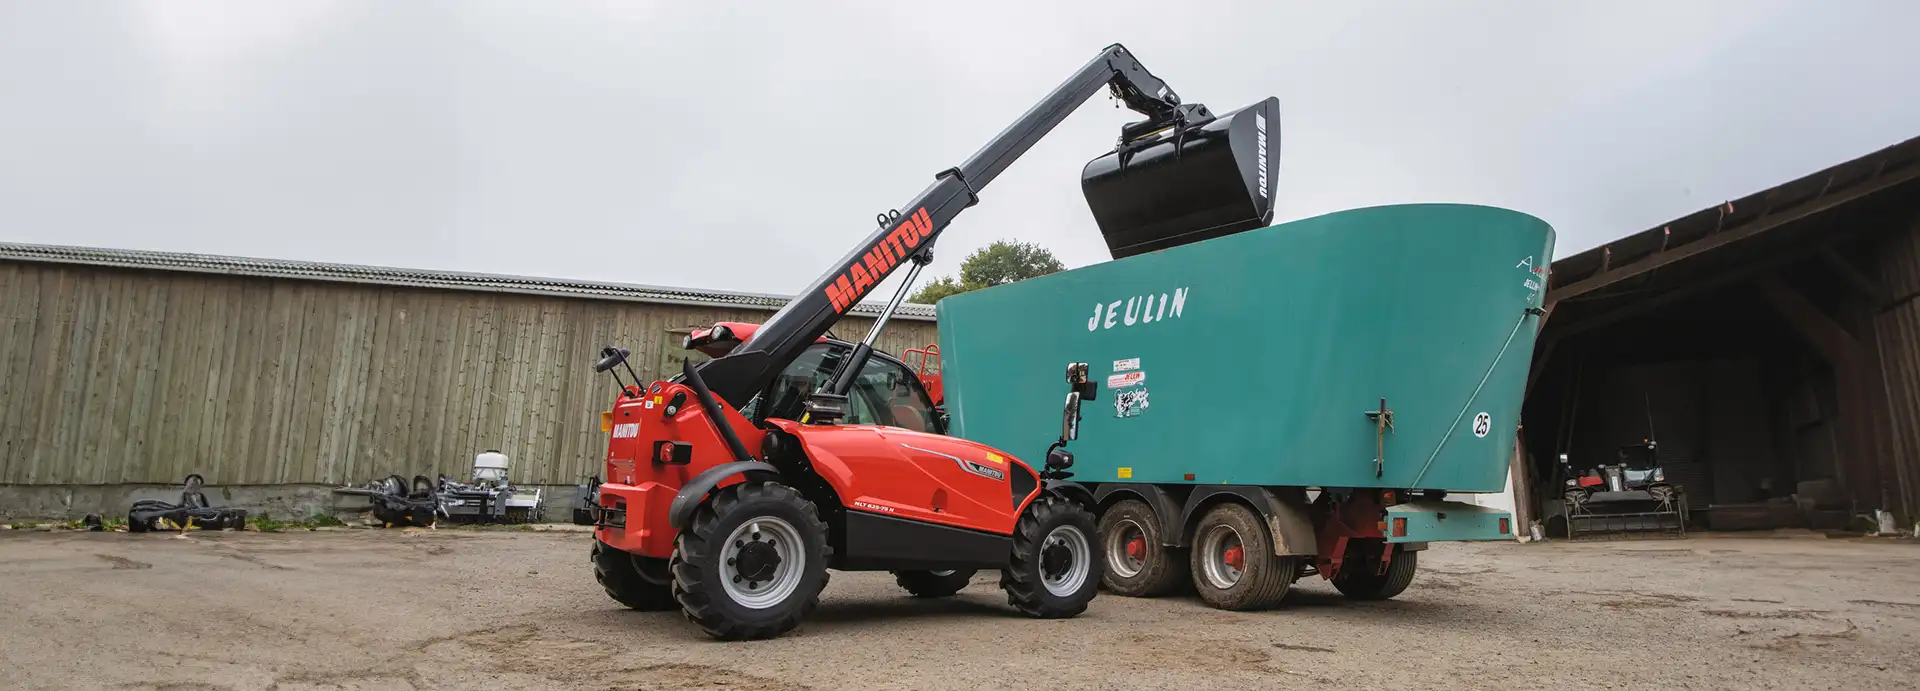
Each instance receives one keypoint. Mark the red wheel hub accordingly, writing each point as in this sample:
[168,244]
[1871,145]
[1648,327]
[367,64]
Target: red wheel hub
[1137,548]
[1235,558]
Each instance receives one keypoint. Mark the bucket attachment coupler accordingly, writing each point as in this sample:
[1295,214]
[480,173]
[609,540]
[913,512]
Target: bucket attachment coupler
[1182,185]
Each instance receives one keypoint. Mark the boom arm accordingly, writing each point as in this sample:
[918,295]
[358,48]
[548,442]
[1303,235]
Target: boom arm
[907,236]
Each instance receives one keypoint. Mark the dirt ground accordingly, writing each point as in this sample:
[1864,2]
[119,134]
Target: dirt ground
[370,609]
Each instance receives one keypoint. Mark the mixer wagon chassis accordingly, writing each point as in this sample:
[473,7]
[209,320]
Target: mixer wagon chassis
[1242,547]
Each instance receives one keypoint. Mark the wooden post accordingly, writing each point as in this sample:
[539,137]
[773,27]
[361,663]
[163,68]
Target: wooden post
[1522,489]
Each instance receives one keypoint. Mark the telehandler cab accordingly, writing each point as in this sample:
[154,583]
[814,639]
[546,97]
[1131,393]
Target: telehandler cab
[732,488]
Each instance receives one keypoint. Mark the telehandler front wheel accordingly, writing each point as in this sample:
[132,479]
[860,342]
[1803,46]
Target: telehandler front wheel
[752,563]
[933,583]
[638,582]
[1057,562]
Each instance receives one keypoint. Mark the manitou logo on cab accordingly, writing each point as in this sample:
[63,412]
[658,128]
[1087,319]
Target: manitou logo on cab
[1138,310]
[872,266]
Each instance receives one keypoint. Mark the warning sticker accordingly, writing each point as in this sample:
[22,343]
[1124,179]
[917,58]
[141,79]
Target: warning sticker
[1115,381]
[1126,473]
[996,458]
[1126,365]
[1482,424]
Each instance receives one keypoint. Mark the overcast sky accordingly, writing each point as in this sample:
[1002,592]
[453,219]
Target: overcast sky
[747,145]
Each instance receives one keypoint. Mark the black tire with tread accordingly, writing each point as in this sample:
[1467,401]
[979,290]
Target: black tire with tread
[1264,580]
[617,573]
[930,584]
[1021,578]
[1364,584]
[696,568]
[1166,568]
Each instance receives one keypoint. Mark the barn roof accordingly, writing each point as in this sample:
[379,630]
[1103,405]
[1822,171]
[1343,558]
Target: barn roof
[420,278]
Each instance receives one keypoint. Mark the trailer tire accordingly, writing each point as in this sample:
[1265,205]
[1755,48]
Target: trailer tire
[1261,580]
[1056,566]
[1367,585]
[619,572]
[924,583]
[724,538]
[1156,569]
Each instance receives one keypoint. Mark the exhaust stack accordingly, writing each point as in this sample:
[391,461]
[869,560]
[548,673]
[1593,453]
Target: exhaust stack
[1181,186]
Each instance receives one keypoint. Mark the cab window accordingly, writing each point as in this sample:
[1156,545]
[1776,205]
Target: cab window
[885,393]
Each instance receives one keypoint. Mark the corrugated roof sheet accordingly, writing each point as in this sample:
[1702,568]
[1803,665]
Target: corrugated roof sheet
[452,280]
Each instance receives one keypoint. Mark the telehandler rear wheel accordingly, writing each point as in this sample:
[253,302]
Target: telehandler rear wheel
[1138,564]
[1358,581]
[752,563]
[1233,564]
[1057,565]
[638,582]
[933,583]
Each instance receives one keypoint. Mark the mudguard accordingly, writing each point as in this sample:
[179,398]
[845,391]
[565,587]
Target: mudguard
[1073,491]
[680,512]
[1286,516]
[1165,506]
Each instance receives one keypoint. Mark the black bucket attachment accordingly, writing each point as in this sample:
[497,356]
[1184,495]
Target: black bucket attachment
[1185,186]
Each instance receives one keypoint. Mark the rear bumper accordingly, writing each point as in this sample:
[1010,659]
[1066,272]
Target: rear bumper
[633,518]
[1447,521]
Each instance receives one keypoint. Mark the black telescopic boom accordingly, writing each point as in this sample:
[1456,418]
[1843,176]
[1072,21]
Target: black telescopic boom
[903,233]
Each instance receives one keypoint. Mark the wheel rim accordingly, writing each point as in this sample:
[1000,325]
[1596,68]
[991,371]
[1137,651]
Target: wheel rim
[1222,557]
[1127,549]
[762,563]
[1065,559]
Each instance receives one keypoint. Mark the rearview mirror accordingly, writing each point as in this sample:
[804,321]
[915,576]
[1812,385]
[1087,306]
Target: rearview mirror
[1070,424]
[610,356]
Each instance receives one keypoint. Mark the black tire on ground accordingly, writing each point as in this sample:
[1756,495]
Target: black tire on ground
[1162,570]
[1263,578]
[933,583]
[1365,584]
[1056,567]
[638,582]
[792,558]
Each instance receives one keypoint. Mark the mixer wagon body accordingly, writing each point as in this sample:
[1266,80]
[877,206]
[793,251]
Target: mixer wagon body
[1253,368]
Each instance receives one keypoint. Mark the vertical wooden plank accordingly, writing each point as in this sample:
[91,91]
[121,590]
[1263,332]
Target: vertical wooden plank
[146,351]
[45,380]
[19,319]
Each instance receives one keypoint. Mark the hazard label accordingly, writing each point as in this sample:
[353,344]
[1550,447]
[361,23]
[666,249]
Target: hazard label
[1115,381]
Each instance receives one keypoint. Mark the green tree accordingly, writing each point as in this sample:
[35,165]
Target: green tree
[1000,263]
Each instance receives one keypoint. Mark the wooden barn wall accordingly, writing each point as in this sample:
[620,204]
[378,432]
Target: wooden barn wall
[1897,326]
[126,376]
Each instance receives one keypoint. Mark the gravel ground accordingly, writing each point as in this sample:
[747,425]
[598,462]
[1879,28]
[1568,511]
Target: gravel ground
[370,609]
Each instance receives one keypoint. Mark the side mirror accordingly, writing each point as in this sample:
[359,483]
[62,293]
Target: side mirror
[609,357]
[1077,381]
[1070,422]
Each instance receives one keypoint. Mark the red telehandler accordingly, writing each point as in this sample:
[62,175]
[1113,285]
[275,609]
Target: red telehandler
[732,488]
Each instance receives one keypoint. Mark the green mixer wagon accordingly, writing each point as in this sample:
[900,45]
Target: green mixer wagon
[1305,398]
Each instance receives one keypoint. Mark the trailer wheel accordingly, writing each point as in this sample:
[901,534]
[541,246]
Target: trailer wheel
[626,578]
[1056,565]
[752,563]
[933,583]
[1233,565]
[1138,564]
[1365,584]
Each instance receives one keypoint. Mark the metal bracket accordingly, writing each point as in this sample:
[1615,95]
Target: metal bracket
[1382,424]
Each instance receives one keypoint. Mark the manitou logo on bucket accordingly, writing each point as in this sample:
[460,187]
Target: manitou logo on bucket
[1138,310]
[1260,129]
